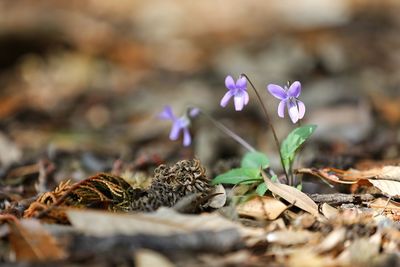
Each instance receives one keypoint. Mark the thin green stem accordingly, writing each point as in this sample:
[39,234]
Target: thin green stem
[227,131]
[269,122]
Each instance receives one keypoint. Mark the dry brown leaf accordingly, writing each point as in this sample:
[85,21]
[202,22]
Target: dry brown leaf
[102,190]
[380,203]
[303,221]
[219,198]
[31,242]
[290,238]
[292,195]
[386,172]
[389,187]
[333,240]
[387,107]
[306,257]
[352,176]
[385,209]
[146,257]
[361,251]
[164,221]
[326,173]
[328,211]
[265,208]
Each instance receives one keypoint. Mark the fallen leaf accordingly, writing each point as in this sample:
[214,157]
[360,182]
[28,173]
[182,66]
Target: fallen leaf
[164,221]
[333,240]
[304,221]
[387,107]
[31,242]
[146,257]
[264,208]
[361,252]
[292,195]
[352,176]
[386,172]
[291,238]
[385,209]
[219,198]
[389,187]
[325,173]
[306,257]
[381,203]
[328,211]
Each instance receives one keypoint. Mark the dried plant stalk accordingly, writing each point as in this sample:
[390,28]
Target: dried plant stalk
[106,191]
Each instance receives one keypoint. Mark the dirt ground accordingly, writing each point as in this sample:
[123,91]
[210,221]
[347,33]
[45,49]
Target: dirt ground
[89,176]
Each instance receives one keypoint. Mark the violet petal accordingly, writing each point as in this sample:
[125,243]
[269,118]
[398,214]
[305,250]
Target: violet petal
[281,109]
[239,102]
[187,139]
[293,111]
[194,112]
[294,89]
[277,91]
[226,98]
[230,83]
[246,98]
[176,128]
[167,114]
[241,83]
[302,109]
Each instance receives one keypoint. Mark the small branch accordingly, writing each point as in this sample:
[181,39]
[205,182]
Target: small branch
[123,245]
[337,199]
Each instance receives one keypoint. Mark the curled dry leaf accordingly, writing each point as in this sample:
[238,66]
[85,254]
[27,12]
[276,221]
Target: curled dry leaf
[103,191]
[352,175]
[389,187]
[386,172]
[31,242]
[292,195]
[219,197]
[326,173]
[263,208]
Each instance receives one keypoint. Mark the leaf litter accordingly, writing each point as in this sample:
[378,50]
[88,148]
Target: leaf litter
[102,196]
[103,209]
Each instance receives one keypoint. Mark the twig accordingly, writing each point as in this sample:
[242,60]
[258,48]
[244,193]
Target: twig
[337,199]
[201,241]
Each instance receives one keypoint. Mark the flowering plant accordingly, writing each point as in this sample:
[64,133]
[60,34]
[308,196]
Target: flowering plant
[254,162]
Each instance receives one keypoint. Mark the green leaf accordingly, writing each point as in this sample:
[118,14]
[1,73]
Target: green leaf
[299,186]
[274,178]
[238,176]
[293,141]
[255,160]
[261,189]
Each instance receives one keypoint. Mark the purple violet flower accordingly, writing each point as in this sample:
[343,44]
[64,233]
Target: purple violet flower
[236,90]
[289,98]
[179,124]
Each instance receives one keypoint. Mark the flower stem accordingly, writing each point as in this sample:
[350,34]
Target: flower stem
[278,145]
[227,131]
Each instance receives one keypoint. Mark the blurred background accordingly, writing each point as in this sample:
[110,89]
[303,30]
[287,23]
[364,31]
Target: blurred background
[83,81]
